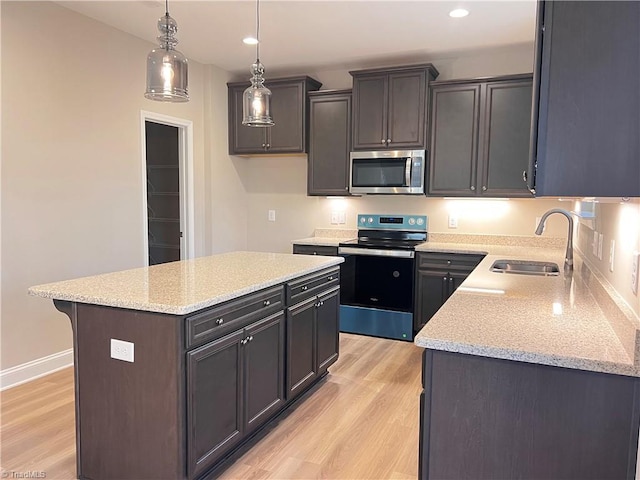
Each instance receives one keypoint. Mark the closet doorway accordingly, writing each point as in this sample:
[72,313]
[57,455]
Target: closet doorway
[168,185]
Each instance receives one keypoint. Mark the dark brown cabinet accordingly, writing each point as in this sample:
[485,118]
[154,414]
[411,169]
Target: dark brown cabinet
[487,418]
[234,384]
[315,250]
[389,107]
[438,275]
[329,142]
[312,329]
[480,133]
[587,87]
[290,111]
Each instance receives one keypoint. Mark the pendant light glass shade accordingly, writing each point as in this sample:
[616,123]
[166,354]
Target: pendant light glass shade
[167,68]
[256,100]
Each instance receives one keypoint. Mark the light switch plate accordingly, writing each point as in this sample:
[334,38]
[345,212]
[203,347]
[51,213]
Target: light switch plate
[453,221]
[121,350]
[272,215]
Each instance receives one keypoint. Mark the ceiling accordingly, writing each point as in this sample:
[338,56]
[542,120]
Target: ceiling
[322,34]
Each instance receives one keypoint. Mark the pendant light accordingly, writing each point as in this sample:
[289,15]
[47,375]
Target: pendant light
[256,100]
[166,66]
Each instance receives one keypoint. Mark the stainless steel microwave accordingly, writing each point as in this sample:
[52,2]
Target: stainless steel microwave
[387,172]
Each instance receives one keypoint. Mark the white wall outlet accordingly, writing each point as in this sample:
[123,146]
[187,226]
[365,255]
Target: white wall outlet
[594,244]
[272,215]
[334,218]
[342,218]
[121,350]
[612,252]
[453,221]
[600,246]
[635,272]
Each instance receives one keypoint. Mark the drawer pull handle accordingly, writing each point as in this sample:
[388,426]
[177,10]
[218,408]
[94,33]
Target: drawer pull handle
[329,278]
[219,321]
[304,288]
[315,253]
[266,303]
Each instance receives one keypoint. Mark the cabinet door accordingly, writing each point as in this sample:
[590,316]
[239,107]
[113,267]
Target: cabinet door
[370,102]
[243,140]
[328,328]
[329,144]
[455,122]
[432,290]
[589,99]
[455,279]
[287,107]
[263,370]
[507,128]
[301,351]
[407,105]
[214,401]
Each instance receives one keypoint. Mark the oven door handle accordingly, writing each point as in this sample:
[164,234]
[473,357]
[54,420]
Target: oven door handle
[407,172]
[376,252]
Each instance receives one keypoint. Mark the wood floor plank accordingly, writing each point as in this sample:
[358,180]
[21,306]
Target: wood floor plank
[360,422]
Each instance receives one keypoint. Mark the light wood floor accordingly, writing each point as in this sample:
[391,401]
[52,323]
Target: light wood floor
[360,422]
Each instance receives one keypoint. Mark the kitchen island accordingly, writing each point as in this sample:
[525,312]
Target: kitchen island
[177,365]
[532,377]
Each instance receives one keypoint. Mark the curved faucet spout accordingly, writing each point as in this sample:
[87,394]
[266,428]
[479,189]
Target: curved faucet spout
[568,257]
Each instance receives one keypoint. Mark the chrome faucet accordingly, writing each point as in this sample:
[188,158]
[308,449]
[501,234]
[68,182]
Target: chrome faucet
[568,256]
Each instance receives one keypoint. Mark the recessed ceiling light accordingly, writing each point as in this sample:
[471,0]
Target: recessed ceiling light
[250,41]
[458,13]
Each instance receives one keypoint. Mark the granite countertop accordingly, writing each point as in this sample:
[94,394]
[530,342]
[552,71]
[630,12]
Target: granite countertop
[544,320]
[186,286]
[320,241]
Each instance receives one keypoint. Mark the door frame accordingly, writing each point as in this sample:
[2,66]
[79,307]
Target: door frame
[185,152]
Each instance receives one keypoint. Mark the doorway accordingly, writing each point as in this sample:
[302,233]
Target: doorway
[168,186]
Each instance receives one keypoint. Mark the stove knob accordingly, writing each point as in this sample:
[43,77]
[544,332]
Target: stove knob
[420,221]
[412,221]
[363,220]
[370,220]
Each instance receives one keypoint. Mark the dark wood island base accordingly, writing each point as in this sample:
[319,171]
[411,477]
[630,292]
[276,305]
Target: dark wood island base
[201,385]
[487,418]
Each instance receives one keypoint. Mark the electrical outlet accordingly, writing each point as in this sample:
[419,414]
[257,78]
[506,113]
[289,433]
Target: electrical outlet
[272,215]
[121,350]
[600,246]
[635,272]
[342,218]
[594,244]
[453,221]
[612,251]
[334,218]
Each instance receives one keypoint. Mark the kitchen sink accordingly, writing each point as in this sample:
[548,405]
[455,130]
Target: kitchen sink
[525,267]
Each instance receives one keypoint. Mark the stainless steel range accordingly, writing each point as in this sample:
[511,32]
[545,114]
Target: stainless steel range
[377,278]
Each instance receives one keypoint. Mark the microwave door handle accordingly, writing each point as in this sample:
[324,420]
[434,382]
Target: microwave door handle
[407,172]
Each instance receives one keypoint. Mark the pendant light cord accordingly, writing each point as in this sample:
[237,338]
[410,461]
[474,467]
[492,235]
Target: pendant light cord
[166,7]
[257,31]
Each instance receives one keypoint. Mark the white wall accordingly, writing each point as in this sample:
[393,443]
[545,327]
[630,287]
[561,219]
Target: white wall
[71,163]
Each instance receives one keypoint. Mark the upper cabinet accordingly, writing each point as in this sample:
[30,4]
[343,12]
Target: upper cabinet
[329,142]
[480,137]
[389,107]
[587,72]
[290,111]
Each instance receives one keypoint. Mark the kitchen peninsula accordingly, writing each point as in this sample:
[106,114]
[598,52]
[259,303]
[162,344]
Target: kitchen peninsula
[178,364]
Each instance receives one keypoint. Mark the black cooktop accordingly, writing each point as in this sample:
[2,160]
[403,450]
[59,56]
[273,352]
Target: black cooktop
[384,239]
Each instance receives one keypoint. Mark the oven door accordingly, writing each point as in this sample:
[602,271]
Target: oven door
[387,172]
[376,292]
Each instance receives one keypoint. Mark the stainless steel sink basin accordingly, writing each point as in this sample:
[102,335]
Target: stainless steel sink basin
[525,267]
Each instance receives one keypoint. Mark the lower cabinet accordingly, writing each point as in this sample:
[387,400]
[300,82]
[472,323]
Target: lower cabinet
[315,250]
[312,339]
[234,384]
[438,275]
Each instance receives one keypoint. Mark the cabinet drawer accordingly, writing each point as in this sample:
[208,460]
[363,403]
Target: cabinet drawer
[222,319]
[306,287]
[315,250]
[449,261]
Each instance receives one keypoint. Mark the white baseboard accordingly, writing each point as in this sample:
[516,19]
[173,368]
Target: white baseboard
[40,367]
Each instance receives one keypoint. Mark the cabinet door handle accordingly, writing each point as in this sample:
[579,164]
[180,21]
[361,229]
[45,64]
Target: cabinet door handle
[472,188]
[444,289]
[315,253]
[250,339]
[268,145]
[450,285]
[484,188]
[264,145]
[243,341]
[266,303]
[524,176]
[304,288]
[384,141]
[329,278]
[388,141]
[220,321]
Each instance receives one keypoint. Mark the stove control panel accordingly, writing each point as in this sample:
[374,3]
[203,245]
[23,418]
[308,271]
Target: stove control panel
[414,223]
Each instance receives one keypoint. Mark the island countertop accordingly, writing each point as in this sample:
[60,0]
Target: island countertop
[186,286]
[546,320]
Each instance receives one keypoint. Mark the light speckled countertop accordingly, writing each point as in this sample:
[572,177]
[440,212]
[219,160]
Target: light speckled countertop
[186,286]
[320,241]
[545,320]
